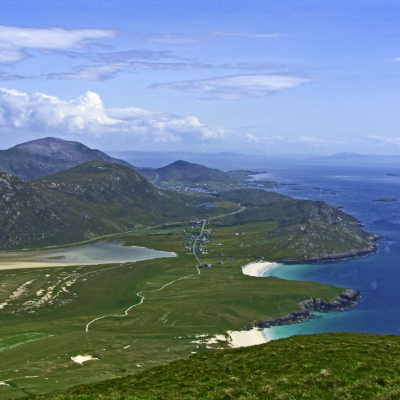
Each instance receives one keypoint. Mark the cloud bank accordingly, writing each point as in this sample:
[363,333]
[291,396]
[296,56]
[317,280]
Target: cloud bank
[237,87]
[86,115]
[14,41]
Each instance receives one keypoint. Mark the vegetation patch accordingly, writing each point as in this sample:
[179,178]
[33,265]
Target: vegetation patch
[326,366]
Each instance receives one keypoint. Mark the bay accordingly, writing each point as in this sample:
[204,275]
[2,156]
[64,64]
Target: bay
[377,277]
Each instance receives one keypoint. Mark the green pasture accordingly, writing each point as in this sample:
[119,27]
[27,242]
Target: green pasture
[161,330]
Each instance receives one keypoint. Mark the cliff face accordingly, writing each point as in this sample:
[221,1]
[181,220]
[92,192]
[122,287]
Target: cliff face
[344,300]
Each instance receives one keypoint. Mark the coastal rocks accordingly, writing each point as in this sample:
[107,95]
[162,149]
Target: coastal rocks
[371,249]
[343,301]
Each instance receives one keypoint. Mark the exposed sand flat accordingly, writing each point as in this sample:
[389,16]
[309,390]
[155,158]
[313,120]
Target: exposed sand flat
[92,254]
[247,338]
[22,265]
[257,268]
[82,359]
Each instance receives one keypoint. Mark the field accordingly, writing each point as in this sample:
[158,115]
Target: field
[319,367]
[39,337]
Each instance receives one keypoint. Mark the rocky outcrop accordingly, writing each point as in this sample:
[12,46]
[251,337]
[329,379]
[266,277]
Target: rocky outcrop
[371,249]
[344,300]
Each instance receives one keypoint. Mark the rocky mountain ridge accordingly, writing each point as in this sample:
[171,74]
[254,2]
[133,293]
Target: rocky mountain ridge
[46,156]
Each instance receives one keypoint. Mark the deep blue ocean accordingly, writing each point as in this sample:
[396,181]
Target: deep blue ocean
[354,187]
[376,276]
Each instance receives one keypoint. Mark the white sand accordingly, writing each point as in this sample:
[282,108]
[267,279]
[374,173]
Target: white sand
[247,338]
[257,268]
[82,359]
[27,264]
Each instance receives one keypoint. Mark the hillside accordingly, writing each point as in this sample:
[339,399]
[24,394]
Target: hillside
[92,199]
[46,156]
[304,230]
[327,366]
[195,175]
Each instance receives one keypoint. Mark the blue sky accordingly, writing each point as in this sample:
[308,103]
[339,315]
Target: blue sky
[263,77]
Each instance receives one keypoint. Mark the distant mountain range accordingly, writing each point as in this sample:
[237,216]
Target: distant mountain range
[189,174]
[46,156]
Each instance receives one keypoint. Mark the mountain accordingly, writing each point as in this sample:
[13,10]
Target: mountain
[189,174]
[89,200]
[46,156]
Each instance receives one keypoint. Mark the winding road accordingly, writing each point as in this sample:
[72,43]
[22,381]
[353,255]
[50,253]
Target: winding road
[139,294]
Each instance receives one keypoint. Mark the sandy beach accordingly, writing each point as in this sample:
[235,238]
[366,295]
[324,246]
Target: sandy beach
[248,338]
[91,254]
[257,268]
[23,265]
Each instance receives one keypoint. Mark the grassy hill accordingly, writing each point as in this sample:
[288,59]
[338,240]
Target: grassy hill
[327,366]
[46,156]
[89,200]
[195,175]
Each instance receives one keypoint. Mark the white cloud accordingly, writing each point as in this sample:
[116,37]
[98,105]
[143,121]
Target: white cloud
[9,77]
[86,115]
[108,71]
[92,72]
[168,38]
[246,35]
[15,40]
[50,38]
[179,39]
[312,140]
[384,141]
[10,54]
[237,87]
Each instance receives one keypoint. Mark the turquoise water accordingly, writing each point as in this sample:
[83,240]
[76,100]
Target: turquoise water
[377,277]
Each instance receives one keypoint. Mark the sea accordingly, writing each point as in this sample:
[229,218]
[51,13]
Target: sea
[353,184]
[354,188]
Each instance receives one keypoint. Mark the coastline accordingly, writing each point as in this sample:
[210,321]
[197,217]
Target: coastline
[343,301]
[372,249]
[258,268]
[246,338]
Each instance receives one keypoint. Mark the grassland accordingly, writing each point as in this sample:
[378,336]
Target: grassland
[162,329]
[321,367]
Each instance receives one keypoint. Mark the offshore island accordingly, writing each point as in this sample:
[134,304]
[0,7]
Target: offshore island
[125,315]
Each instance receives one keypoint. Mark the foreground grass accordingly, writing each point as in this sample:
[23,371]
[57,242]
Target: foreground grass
[325,366]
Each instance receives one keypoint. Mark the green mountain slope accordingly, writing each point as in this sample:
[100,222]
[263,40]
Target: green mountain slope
[89,200]
[190,174]
[327,366]
[41,157]
[305,230]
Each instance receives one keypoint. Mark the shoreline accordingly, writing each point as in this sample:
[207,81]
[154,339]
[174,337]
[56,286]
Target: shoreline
[246,338]
[257,268]
[349,255]
[343,301]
